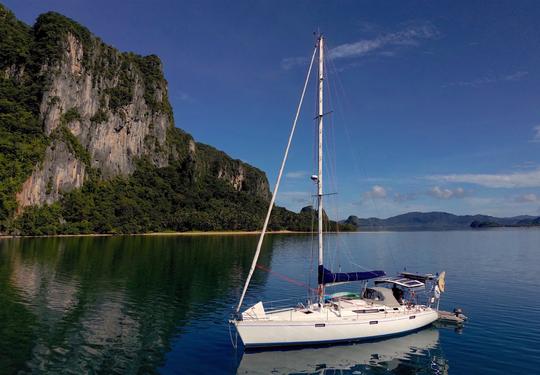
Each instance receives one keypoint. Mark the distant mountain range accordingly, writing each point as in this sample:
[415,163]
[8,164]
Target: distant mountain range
[439,220]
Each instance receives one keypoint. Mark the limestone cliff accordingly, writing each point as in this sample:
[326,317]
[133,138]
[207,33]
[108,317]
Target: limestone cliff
[101,111]
[60,172]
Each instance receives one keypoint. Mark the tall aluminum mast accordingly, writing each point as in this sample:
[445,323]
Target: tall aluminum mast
[276,188]
[320,169]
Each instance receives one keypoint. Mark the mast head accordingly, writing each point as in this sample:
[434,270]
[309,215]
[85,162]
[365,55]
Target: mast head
[319,36]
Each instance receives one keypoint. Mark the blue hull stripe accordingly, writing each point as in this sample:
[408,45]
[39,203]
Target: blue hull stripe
[327,342]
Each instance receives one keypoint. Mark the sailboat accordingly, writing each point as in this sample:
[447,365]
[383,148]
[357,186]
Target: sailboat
[388,306]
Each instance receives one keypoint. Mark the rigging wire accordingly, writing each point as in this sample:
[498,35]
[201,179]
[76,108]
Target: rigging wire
[333,164]
[330,168]
[276,188]
[341,101]
[283,277]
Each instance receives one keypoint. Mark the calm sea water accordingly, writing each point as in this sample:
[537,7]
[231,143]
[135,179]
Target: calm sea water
[160,304]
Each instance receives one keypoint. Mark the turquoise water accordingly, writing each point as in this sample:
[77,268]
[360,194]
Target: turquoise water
[160,304]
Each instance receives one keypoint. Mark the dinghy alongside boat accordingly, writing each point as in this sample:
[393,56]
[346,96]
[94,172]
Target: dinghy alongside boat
[456,317]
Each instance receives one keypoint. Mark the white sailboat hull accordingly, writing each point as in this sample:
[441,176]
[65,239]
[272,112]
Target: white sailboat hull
[322,330]
[343,358]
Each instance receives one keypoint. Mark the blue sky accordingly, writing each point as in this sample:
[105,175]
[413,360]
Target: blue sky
[435,103]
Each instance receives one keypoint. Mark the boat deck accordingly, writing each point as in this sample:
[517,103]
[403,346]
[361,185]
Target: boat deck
[346,309]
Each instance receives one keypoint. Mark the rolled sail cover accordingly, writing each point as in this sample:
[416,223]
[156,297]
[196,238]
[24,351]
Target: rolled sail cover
[328,277]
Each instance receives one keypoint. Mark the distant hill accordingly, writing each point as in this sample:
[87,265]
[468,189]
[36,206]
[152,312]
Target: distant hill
[439,220]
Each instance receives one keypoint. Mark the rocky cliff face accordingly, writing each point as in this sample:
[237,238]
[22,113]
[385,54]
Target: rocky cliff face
[114,134]
[241,176]
[101,111]
[61,171]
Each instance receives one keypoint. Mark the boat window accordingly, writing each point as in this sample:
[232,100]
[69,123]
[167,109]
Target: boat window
[319,325]
[373,295]
[412,317]
[366,311]
[374,322]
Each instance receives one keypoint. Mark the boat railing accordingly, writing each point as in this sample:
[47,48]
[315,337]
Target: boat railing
[279,305]
[284,304]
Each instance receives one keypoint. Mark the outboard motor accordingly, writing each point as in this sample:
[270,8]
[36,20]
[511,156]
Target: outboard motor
[458,312]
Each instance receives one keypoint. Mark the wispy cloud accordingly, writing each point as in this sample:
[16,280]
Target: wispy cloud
[526,164]
[527,198]
[515,76]
[410,36]
[297,174]
[291,62]
[182,96]
[404,197]
[490,78]
[376,192]
[445,193]
[384,44]
[504,180]
[536,136]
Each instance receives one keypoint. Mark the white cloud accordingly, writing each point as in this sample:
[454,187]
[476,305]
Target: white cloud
[536,136]
[291,62]
[444,193]
[527,198]
[376,192]
[515,76]
[359,48]
[509,180]
[297,174]
[182,96]
[490,78]
[409,36]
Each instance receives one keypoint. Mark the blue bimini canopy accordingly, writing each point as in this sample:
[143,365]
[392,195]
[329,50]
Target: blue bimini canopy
[328,277]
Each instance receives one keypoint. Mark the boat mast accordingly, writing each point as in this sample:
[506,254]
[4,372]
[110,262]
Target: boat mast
[320,169]
[276,188]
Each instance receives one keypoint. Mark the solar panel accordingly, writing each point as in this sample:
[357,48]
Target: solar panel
[407,283]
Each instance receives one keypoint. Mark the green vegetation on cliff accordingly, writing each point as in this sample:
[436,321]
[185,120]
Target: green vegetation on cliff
[160,199]
[201,188]
[22,142]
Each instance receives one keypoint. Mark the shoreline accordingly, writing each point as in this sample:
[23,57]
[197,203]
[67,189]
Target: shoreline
[161,234]
[253,233]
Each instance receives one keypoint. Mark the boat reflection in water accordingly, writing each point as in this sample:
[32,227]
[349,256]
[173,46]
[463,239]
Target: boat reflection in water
[417,353]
